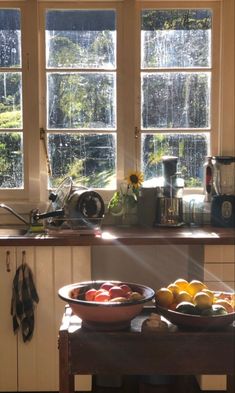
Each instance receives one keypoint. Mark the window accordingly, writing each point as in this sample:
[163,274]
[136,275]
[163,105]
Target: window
[113,85]
[176,75]
[81,96]
[11,121]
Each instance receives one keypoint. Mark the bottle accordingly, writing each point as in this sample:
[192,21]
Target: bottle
[208,179]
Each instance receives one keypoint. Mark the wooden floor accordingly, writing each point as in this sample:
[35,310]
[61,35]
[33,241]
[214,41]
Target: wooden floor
[136,385]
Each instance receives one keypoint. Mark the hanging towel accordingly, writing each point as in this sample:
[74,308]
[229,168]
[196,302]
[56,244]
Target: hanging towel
[24,297]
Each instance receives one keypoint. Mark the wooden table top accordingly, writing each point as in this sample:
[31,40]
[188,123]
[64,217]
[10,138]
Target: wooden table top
[134,235]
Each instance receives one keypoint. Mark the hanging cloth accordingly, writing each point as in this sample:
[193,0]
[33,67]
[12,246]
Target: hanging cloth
[24,297]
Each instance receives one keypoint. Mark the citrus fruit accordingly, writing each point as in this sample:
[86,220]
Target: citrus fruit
[183,296]
[182,283]
[202,300]
[194,287]
[222,302]
[219,310]
[164,297]
[186,308]
[174,289]
[209,293]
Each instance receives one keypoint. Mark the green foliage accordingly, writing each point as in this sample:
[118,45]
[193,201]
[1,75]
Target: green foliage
[10,119]
[192,182]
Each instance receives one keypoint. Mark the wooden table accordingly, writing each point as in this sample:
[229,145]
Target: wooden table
[132,352]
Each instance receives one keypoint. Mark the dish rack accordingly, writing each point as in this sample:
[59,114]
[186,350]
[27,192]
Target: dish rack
[71,226]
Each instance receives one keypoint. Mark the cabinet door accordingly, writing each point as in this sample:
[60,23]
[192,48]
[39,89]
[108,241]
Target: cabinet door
[8,341]
[52,268]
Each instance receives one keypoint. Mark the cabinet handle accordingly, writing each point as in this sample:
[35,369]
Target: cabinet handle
[8,261]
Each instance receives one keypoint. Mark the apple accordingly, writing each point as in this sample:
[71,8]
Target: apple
[102,296]
[90,294]
[116,291]
[125,288]
[106,285]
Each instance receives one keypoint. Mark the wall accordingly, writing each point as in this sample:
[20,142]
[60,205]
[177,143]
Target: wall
[154,266]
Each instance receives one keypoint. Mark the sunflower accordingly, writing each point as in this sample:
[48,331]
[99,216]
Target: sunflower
[135,179]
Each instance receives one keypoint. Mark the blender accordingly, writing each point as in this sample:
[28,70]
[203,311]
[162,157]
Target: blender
[169,201]
[223,200]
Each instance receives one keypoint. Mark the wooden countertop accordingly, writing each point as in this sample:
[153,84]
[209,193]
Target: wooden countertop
[114,236]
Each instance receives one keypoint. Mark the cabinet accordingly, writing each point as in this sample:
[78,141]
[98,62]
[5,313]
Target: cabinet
[8,342]
[33,366]
[219,274]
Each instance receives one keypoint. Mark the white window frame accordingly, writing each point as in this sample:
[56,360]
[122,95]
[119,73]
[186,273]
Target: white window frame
[214,69]
[128,87]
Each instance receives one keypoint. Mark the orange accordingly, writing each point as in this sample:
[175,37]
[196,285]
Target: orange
[164,297]
[209,293]
[202,300]
[174,289]
[195,286]
[182,283]
[183,296]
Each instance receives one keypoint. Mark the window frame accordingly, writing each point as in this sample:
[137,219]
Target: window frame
[213,130]
[128,145]
[89,5]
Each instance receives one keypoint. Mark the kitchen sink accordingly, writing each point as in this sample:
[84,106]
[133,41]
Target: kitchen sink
[12,231]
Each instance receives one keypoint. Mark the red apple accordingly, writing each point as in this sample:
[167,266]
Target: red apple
[125,288]
[102,296]
[107,285]
[90,294]
[116,291]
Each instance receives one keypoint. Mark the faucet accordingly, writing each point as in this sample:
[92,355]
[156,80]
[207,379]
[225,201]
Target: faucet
[8,208]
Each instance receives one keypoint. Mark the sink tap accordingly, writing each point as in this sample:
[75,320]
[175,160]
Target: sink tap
[12,211]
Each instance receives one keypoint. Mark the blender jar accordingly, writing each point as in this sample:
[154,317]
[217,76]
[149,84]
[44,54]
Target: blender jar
[224,175]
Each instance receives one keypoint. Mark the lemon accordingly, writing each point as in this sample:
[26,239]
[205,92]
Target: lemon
[184,296]
[202,300]
[209,293]
[174,289]
[164,297]
[194,287]
[182,283]
[222,302]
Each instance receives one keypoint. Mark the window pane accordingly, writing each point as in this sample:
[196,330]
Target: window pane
[176,38]
[81,100]
[88,159]
[175,100]
[11,160]
[191,149]
[10,38]
[10,100]
[82,39]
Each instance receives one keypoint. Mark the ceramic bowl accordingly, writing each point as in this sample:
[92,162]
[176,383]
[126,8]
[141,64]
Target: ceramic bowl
[196,321]
[105,315]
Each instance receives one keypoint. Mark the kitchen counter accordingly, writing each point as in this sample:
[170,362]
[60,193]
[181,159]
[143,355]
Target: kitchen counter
[187,235]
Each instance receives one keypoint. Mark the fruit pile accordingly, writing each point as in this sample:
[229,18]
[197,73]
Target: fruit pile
[111,292]
[195,298]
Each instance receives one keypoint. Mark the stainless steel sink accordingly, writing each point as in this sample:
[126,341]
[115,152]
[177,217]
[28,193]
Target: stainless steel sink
[12,231]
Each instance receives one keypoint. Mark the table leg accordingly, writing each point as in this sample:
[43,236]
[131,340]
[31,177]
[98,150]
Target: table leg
[66,380]
[231,383]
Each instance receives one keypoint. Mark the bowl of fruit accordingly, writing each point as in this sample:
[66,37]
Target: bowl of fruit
[192,304]
[106,305]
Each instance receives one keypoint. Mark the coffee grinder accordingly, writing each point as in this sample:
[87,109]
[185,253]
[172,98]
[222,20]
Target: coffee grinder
[169,201]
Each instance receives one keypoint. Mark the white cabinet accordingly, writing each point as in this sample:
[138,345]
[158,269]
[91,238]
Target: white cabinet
[219,275]
[8,341]
[34,365]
